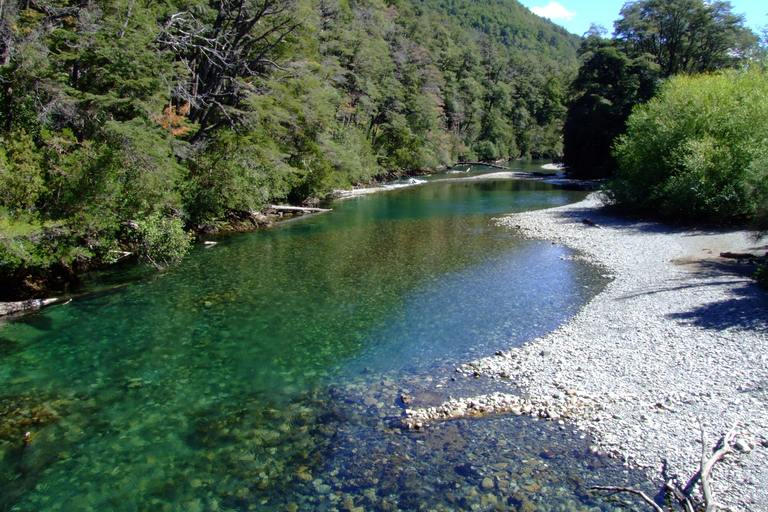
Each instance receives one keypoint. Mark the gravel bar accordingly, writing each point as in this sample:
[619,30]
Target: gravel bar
[677,340]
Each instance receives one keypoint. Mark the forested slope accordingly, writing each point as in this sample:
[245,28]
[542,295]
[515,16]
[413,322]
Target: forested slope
[124,122]
[513,25]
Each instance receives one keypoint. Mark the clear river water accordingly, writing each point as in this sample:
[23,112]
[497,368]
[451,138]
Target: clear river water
[268,371]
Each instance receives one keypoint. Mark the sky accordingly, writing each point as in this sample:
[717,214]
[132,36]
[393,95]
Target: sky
[577,15]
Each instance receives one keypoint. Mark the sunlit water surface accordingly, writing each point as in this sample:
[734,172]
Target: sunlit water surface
[265,372]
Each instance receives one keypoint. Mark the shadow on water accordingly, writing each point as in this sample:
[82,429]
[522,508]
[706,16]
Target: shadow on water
[8,347]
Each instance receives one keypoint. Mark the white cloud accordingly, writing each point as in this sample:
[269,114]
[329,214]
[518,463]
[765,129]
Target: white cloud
[554,11]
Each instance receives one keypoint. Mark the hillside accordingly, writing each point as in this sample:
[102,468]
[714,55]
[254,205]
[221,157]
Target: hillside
[514,25]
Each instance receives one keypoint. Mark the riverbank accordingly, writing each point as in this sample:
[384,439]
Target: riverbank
[680,335]
[556,178]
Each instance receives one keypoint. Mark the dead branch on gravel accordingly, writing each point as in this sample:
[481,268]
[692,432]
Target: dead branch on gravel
[684,497]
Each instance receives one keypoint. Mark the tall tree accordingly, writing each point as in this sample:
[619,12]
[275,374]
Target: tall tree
[608,85]
[226,46]
[685,36]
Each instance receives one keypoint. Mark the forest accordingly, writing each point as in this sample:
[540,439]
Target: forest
[127,125]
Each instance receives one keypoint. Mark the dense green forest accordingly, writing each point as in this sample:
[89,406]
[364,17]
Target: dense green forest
[126,123]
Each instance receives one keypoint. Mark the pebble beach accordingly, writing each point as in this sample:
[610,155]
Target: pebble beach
[675,345]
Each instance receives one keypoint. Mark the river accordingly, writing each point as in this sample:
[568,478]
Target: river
[269,371]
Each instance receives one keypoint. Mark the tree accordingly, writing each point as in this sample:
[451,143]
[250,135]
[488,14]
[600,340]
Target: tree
[609,84]
[226,47]
[113,112]
[21,179]
[698,150]
[654,39]
[685,36]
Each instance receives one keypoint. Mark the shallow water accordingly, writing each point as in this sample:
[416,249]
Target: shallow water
[264,373]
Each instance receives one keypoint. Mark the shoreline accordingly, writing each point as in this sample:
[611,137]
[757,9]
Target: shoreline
[679,336]
[555,179]
[28,303]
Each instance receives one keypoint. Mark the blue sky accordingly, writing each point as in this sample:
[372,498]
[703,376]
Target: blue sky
[577,15]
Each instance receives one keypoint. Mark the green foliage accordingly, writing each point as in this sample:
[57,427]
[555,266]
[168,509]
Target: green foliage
[609,84]
[55,245]
[697,151]
[685,36]
[111,110]
[160,240]
[761,276]
[486,150]
[141,168]
[21,175]
[757,192]
[654,39]
[513,24]
[235,173]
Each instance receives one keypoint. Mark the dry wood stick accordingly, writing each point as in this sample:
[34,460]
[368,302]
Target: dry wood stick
[708,463]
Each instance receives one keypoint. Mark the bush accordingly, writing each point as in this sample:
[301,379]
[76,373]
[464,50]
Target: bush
[161,241]
[21,177]
[486,151]
[694,151]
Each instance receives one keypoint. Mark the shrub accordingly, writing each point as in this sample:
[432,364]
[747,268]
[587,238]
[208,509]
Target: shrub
[693,152]
[486,151]
[21,177]
[161,241]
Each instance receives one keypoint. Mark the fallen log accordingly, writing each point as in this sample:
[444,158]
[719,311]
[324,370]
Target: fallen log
[9,308]
[742,256]
[302,209]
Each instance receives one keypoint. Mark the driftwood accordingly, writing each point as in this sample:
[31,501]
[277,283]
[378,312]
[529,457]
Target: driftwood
[707,464]
[9,308]
[684,497]
[742,256]
[301,209]
[645,497]
[590,222]
[123,254]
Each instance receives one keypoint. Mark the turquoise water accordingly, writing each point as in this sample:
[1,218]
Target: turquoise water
[224,383]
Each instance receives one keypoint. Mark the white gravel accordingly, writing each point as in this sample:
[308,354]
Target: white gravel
[679,336]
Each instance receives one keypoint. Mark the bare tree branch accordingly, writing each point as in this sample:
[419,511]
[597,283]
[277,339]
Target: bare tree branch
[221,52]
[684,497]
[708,463]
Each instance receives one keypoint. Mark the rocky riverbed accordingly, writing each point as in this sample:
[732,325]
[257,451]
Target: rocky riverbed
[677,340]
